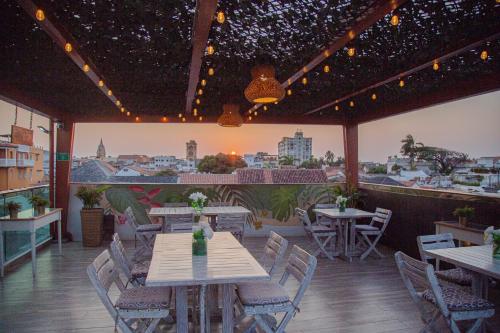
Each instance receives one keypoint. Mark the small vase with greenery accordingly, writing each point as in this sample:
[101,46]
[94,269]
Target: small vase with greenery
[492,236]
[13,208]
[198,200]
[91,215]
[341,202]
[39,203]
[464,214]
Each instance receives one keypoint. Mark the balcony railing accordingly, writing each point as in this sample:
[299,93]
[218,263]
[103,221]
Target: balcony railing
[24,163]
[7,162]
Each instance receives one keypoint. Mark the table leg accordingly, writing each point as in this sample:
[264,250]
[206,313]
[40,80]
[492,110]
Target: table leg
[227,308]
[33,252]
[347,255]
[352,238]
[59,235]
[181,309]
[203,292]
[2,259]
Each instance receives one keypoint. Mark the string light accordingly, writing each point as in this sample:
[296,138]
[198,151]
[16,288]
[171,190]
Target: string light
[351,51]
[265,107]
[203,82]
[211,71]
[351,104]
[255,113]
[484,53]
[337,108]
[118,103]
[201,118]
[200,91]
[210,49]
[395,20]
[374,96]
[122,109]
[86,68]
[304,80]
[289,92]
[326,69]
[180,115]
[40,15]
[197,101]
[249,117]
[68,48]
[195,112]
[100,83]
[221,17]
[128,113]
[326,53]
[110,92]
[435,66]
[137,118]
[183,119]
[401,83]
[164,119]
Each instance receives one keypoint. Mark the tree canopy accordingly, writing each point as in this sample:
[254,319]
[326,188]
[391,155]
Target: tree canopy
[221,163]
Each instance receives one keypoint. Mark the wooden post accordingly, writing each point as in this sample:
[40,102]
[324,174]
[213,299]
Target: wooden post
[51,173]
[351,154]
[63,169]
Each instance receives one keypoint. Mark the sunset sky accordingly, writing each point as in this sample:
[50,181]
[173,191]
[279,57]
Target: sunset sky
[471,125]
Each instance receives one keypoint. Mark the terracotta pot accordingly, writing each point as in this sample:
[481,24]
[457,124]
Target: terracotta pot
[92,226]
[13,213]
[462,220]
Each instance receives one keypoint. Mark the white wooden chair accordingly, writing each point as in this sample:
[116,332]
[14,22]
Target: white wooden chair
[443,241]
[234,223]
[434,301]
[135,273]
[322,219]
[262,300]
[136,309]
[180,222]
[375,230]
[274,251]
[324,236]
[145,233]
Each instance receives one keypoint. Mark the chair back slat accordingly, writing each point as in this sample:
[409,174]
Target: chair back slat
[434,242]
[301,265]
[119,254]
[175,204]
[181,222]
[105,270]
[381,218]
[274,251]
[231,219]
[304,218]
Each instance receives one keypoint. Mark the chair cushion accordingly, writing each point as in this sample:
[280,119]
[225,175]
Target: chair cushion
[144,298]
[366,227]
[458,300]
[140,269]
[321,228]
[262,293]
[456,275]
[149,227]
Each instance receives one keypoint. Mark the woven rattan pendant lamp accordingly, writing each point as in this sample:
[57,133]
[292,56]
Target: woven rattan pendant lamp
[230,116]
[264,88]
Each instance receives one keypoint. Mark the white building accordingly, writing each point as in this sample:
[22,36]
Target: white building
[128,171]
[298,147]
[261,160]
[489,162]
[169,162]
[404,164]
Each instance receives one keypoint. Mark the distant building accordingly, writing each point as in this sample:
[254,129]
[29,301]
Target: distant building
[261,160]
[132,159]
[101,151]
[404,164]
[298,147]
[129,171]
[191,147]
[489,162]
[164,162]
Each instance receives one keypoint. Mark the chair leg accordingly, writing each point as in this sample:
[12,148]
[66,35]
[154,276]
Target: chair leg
[371,247]
[322,246]
[263,324]
[152,325]
[476,326]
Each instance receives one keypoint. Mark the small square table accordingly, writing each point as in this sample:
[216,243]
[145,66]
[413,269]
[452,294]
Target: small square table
[348,218]
[227,262]
[26,221]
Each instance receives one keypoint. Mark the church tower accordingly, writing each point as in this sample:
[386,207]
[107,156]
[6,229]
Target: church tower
[101,151]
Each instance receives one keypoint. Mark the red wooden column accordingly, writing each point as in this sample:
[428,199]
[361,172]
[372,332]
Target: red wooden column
[351,154]
[64,152]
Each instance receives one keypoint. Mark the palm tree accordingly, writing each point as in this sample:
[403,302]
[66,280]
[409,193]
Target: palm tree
[329,158]
[286,160]
[410,149]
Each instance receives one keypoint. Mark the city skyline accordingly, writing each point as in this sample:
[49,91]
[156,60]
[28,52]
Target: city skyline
[474,120]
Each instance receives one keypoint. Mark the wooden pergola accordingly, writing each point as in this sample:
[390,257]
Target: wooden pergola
[113,61]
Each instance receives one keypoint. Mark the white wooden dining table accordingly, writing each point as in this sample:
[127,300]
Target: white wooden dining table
[347,220]
[227,263]
[476,259]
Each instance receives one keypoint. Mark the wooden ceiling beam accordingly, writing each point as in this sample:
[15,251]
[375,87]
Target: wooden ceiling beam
[454,92]
[428,63]
[204,15]
[369,18]
[60,37]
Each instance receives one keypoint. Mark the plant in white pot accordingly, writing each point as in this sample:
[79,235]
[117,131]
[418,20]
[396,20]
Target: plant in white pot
[92,215]
[13,208]
[39,203]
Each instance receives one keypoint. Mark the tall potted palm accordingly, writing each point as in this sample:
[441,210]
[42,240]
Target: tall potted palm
[91,215]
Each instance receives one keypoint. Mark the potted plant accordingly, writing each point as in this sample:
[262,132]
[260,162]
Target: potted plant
[39,203]
[91,215]
[492,236]
[197,202]
[464,214]
[342,203]
[13,208]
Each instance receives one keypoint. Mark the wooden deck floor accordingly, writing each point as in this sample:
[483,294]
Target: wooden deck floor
[358,297]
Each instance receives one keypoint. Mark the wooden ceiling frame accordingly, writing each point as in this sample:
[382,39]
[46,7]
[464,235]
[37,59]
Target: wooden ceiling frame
[428,63]
[369,18]
[204,16]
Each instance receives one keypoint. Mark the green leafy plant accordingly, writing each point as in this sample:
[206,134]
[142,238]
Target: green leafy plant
[466,211]
[91,196]
[38,201]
